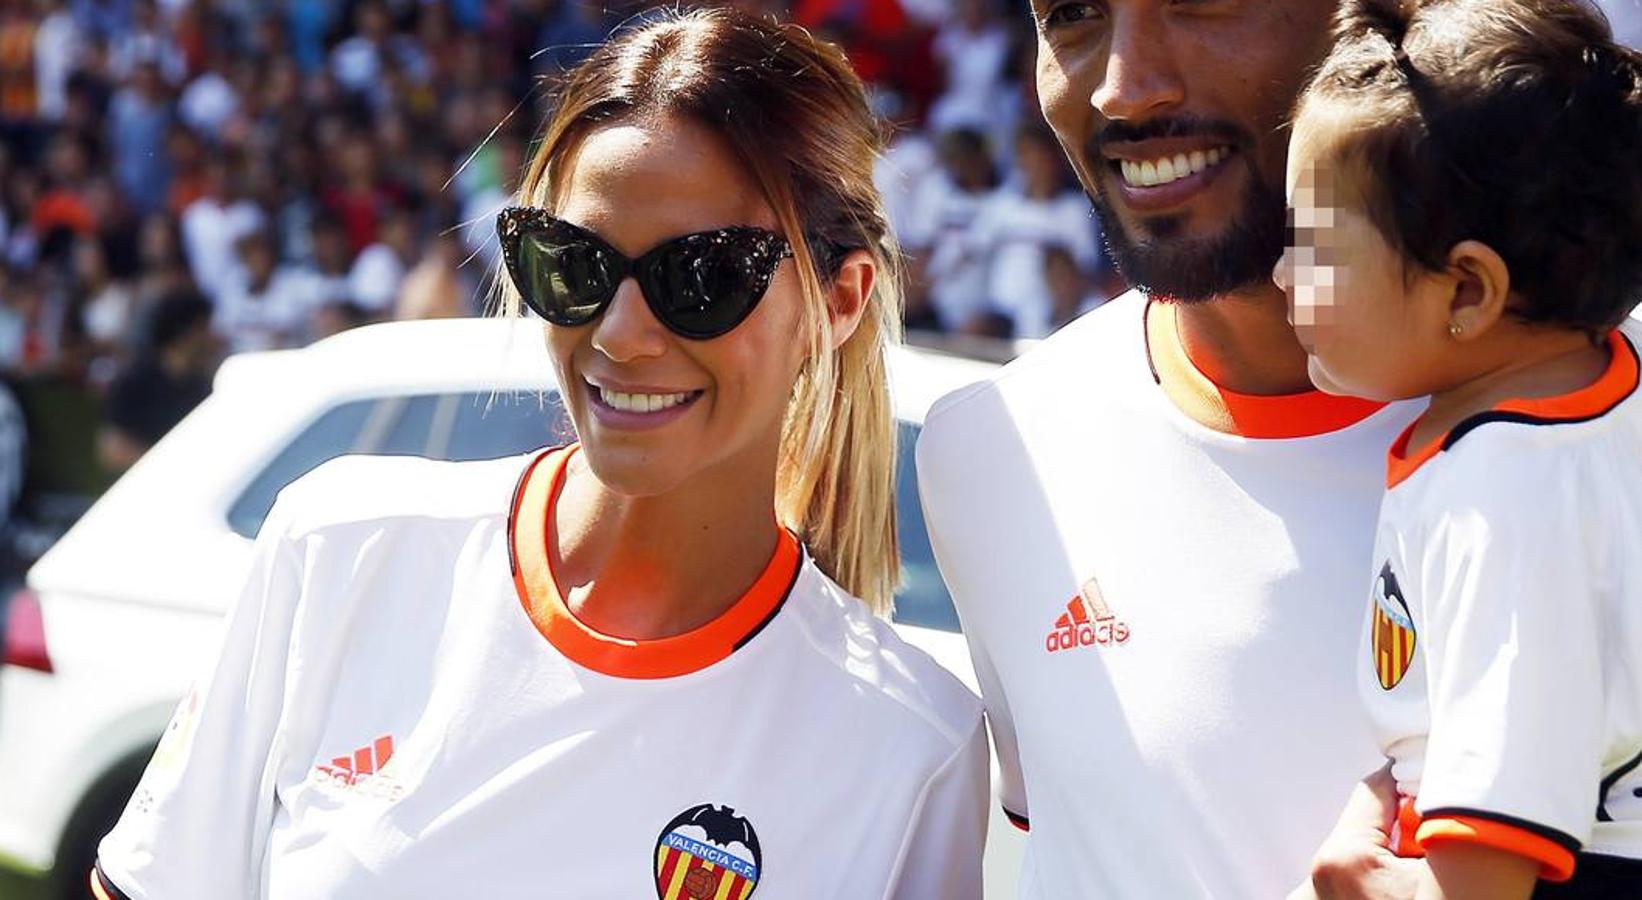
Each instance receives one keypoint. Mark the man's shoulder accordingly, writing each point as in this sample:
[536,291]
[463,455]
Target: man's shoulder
[1093,349]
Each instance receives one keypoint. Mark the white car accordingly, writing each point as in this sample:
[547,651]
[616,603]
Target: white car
[123,613]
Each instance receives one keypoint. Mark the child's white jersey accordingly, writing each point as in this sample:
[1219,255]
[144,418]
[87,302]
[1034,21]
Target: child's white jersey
[1501,655]
[1159,613]
[402,710]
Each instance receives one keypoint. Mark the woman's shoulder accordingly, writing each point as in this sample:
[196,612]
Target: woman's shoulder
[867,649]
[359,489]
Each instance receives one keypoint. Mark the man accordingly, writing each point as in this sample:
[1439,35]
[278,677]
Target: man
[1156,532]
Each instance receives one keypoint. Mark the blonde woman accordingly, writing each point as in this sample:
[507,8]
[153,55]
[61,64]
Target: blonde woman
[646,664]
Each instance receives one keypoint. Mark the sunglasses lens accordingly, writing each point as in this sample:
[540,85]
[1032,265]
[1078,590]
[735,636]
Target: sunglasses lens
[566,281]
[704,286]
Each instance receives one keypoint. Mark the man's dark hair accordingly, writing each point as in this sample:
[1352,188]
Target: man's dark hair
[1517,123]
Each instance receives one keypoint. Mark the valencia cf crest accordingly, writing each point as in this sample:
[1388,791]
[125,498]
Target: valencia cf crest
[1393,648]
[707,853]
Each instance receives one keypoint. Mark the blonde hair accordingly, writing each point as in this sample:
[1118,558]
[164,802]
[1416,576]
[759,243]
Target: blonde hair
[796,116]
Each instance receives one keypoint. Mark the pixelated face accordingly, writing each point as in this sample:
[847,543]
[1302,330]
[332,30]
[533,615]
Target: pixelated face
[1358,309]
[1173,115]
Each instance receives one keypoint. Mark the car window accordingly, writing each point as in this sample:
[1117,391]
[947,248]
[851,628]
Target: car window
[462,426]
[487,425]
[922,599]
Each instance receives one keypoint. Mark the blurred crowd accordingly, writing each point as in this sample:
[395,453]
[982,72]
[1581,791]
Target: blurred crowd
[180,179]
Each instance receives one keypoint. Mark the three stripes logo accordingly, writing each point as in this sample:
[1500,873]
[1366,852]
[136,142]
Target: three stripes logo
[1087,622]
[1393,634]
[362,770]
[707,853]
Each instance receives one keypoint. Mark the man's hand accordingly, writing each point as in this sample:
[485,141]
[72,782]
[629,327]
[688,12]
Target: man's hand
[1356,862]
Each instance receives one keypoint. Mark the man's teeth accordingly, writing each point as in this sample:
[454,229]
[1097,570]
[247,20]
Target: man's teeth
[1163,170]
[642,403]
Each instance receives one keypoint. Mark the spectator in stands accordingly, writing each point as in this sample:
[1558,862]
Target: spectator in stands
[973,47]
[938,233]
[263,305]
[373,282]
[1036,209]
[332,264]
[213,224]
[143,39]
[110,303]
[168,377]
[1073,290]
[56,50]
[139,118]
[435,288]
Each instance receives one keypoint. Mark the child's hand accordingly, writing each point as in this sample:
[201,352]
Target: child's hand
[1356,862]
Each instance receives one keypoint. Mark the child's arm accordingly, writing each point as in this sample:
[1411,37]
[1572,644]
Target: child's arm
[1459,871]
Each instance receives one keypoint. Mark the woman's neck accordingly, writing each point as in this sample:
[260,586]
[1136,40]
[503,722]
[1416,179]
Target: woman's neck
[1523,363]
[652,567]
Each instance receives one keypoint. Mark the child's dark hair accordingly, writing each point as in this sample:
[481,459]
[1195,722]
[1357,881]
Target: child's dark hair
[1517,123]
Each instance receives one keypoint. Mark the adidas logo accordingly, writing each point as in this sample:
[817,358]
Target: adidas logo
[1087,622]
[362,771]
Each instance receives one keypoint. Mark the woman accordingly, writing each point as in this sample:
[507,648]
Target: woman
[630,667]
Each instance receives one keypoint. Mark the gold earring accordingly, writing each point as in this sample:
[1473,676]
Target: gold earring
[1455,329]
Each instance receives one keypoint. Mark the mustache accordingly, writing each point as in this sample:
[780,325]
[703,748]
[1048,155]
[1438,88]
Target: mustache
[1118,131]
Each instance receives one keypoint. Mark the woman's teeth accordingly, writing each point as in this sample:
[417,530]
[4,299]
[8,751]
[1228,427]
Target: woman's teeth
[640,403]
[1163,170]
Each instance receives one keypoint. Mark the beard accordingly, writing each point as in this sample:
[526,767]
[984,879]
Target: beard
[1163,263]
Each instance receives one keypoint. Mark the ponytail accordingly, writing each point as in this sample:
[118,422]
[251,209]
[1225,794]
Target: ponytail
[835,484]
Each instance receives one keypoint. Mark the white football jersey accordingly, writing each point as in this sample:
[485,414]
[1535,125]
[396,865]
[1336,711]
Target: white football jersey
[400,710]
[1501,653]
[1156,610]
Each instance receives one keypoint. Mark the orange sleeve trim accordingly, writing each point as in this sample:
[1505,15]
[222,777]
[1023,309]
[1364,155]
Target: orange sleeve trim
[1017,820]
[531,545]
[1556,862]
[101,887]
[97,886]
[1618,381]
[1305,414]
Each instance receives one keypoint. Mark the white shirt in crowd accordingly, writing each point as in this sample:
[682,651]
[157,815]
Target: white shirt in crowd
[208,103]
[210,233]
[374,280]
[56,52]
[1159,612]
[400,710]
[1009,237]
[1501,653]
[943,220]
[974,62]
[272,318]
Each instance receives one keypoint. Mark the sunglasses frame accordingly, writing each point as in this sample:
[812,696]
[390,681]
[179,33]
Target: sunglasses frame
[766,250]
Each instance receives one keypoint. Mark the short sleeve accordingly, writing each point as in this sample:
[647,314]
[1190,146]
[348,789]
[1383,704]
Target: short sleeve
[1510,595]
[948,831]
[198,823]
[1011,783]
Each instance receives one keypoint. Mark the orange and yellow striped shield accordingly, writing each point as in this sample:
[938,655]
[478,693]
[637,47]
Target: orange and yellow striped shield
[681,875]
[1393,630]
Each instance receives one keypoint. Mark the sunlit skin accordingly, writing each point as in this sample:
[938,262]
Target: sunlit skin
[1142,63]
[661,528]
[1375,324]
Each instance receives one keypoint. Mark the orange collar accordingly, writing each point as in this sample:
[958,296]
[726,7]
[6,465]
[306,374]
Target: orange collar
[530,553]
[1306,414]
[1594,400]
